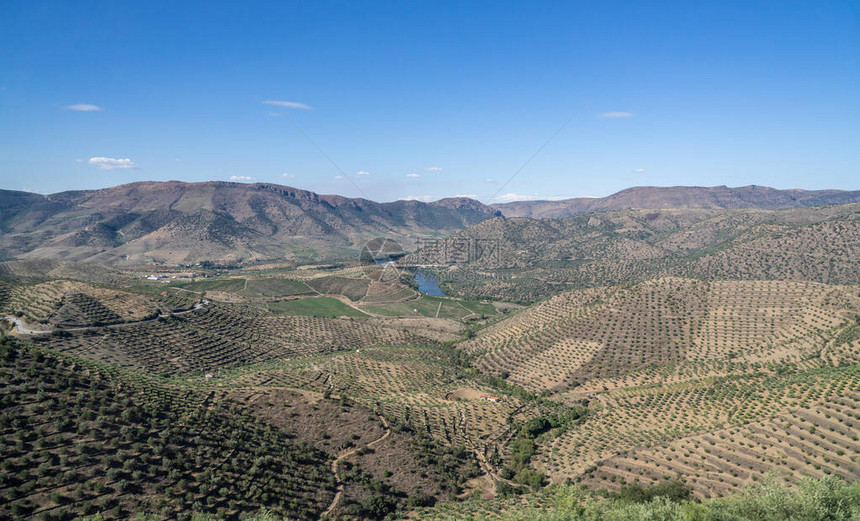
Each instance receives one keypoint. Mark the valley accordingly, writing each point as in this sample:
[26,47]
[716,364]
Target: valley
[701,352]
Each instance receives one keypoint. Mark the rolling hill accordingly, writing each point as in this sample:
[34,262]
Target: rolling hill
[529,259]
[715,383]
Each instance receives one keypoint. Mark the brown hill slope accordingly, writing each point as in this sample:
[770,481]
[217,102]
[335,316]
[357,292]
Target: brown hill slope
[177,222]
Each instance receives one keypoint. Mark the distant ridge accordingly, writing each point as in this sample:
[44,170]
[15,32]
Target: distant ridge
[681,197]
[175,222]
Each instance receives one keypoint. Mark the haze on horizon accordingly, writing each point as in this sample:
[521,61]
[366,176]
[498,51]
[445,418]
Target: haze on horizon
[425,100]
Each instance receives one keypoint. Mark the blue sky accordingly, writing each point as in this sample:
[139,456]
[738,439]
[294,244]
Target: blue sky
[430,99]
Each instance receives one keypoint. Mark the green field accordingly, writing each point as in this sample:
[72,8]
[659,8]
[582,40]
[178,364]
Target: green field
[428,306]
[314,307]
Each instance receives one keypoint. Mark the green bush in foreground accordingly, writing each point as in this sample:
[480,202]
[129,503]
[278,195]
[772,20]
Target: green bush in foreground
[826,499]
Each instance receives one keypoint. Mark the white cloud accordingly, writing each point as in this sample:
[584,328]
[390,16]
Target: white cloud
[467,196]
[287,175]
[413,175]
[288,104]
[110,163]
[84,107]
[338,177]
[511,197]
[489,180]
[241,178]
[433,169]
[362,172]
[423,198]
[638,170]
[617,114]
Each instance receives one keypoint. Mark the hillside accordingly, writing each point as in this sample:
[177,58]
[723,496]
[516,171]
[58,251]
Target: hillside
[176,223]
[602,333]
[680,197]
[134,445]
[770,369]
[370,392]
[529,259]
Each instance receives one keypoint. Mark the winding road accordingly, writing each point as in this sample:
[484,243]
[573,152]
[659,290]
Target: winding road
[23,329]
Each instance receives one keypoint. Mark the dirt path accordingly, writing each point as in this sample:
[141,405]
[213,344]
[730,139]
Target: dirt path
[335,465]
[349,303]
[490,475]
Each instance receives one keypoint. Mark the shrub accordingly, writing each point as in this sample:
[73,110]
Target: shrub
[674,490]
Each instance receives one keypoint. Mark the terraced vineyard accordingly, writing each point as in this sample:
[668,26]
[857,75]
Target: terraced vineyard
[670,365]
[605,333]
[249,287]
[219,336]
[435,307]
[5,291]
[633,423]
[822,252]
[818,439]
[68,304]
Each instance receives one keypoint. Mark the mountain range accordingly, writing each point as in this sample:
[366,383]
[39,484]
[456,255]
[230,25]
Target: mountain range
[176,223]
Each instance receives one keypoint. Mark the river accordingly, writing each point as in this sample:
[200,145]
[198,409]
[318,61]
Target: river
[428,284]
